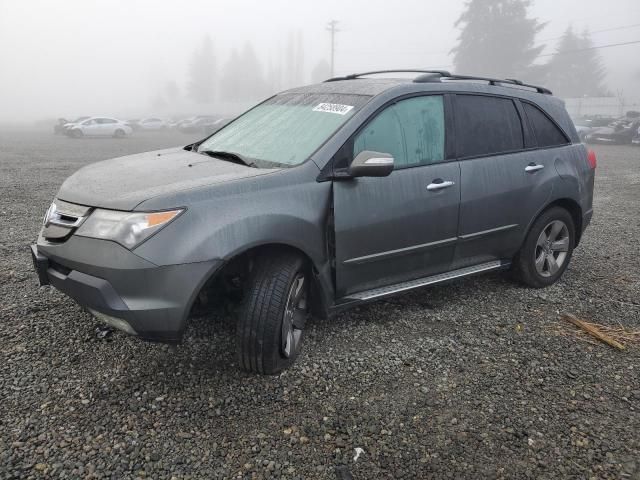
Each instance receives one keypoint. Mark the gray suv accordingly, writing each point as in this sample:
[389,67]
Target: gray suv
[322,198]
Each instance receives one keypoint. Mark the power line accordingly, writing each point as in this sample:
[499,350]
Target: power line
[589,48]
[613,29]
[332,27]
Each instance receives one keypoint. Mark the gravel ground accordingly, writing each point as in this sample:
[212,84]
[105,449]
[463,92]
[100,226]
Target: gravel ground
[468,380]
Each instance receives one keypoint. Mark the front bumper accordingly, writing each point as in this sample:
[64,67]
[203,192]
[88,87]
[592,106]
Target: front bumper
[106,278]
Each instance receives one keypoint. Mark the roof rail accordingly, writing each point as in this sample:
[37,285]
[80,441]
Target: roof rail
[438,75]
[353,76]
[499,81]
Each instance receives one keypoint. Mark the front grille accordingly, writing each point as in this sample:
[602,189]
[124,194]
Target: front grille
[62,219]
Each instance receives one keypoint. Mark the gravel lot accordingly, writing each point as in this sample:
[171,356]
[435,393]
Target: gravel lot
[467,380]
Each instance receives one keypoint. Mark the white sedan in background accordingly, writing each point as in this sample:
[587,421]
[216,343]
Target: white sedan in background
[99,127]
[152,123]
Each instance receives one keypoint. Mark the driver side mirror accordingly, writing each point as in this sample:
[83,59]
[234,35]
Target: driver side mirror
[371,164]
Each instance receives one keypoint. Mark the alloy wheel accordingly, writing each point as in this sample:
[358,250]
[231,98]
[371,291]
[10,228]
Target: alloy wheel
[295,316]
[552,248]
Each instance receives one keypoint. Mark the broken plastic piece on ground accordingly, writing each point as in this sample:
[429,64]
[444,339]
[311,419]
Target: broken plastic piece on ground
[359,451]
[103,331]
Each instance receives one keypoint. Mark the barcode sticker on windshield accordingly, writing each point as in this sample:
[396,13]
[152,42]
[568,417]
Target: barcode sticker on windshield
[333,108]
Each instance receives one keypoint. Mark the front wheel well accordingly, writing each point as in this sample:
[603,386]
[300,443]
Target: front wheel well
[226,285]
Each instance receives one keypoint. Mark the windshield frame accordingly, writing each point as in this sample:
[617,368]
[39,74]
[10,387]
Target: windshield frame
[260,162]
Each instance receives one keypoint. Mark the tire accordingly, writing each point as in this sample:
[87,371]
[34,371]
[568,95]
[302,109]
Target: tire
[77,133]
[547,249]
[273,314]
[119,133]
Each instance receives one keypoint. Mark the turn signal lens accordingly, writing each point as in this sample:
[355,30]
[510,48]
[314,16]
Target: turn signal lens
[159,218]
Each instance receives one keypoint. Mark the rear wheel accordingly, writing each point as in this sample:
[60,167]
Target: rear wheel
[274,312]
[119,133]
[547,250]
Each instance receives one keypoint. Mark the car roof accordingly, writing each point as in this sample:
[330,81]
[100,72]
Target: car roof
[389,88]
[377,86]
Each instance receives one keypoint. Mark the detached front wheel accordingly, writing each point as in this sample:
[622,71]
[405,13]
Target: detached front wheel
[274,313]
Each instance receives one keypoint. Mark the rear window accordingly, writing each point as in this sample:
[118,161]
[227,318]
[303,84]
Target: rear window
[286,129]
[547,133]
[486,126]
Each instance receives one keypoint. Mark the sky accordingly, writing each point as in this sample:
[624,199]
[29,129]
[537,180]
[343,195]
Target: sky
[111,57]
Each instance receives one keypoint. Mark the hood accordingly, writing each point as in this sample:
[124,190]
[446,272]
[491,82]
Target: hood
[123,183]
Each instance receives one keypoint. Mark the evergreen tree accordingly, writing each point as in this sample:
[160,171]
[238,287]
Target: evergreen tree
[171,91]
[497,39]
[202,73]
[321,72]
[575,70]
[243,77]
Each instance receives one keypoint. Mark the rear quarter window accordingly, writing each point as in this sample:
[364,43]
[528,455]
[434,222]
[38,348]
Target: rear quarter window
[547,133]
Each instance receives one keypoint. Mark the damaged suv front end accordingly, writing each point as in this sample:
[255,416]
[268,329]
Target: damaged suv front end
[88,254]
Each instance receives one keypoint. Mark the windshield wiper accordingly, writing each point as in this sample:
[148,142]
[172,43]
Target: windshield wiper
[229,156]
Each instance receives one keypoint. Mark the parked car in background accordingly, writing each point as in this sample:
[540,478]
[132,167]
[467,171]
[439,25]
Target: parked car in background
[197,124]
[320,199]
[152,123]
[209,128]
[58,128]
[134,123]
[68,123]
[620,132]
[99,127]
[586,125]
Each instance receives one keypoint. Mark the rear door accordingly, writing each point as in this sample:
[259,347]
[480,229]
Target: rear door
[400,227]
[505,179]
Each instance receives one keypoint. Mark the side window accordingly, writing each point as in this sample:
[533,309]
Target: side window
[547,133]
[411,130]
[486,125]
[422,120]
[383,134]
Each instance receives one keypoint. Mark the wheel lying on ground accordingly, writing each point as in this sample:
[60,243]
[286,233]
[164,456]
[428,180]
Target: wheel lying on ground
[547,250]
[274,312]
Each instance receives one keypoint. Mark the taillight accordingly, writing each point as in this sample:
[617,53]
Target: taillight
[591,157]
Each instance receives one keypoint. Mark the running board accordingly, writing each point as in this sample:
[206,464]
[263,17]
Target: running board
[421,282]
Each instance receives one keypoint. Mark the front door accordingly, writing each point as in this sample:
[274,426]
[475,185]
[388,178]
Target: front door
[404,226]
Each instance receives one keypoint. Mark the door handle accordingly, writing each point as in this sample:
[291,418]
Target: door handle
[532,167]
[439,185]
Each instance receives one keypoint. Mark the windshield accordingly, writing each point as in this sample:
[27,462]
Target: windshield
[286,129]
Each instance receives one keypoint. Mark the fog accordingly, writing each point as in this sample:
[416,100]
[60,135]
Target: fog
[132,58]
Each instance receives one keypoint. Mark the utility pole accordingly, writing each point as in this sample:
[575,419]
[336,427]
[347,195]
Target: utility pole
[332,27]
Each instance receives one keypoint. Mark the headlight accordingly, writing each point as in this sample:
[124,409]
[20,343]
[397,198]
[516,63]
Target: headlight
[126,228]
